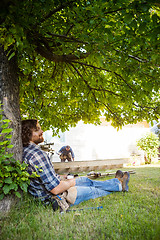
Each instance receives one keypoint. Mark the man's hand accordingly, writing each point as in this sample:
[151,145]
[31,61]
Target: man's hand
[63,186]
[63,177]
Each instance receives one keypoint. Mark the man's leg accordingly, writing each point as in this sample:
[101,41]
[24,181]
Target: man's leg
[63,157]
[90,189]
[111,185]
[69,157]
[86,193]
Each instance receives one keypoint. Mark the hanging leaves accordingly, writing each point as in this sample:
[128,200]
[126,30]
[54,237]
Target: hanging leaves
[79,60]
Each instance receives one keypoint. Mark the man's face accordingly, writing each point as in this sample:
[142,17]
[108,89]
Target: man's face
[68,148]
[37,135]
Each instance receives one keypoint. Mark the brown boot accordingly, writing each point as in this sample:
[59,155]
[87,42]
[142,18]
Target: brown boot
[119,175]
[125,181]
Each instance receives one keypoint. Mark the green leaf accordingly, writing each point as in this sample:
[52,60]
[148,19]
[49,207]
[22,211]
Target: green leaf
[8,180]
[1,196]
[6,189]
[6,120]
[18,194]
[12,55]
[10,146]
[3,143]
[7,130]
[9,136]
[24,186]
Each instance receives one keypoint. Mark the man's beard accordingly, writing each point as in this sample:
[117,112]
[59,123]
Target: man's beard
[40,140]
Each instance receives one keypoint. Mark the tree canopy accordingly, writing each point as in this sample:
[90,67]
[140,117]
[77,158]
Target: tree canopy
[81,59]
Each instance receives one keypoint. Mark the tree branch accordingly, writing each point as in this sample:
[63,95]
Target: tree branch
[145,107]
[62,6]
[48,54]
[109,109]
[104,69]
[138,59]
[93,88]
[72,39]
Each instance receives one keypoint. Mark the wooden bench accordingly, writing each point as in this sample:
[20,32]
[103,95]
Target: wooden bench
[96,165]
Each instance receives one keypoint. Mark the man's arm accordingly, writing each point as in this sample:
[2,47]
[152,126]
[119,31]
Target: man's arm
[60,150]
[63,186]
[72,153]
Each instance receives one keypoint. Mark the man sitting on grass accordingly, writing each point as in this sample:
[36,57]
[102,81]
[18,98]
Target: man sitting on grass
[49,184]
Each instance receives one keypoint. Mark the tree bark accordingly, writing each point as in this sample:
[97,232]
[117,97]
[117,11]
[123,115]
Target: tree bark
[9,98]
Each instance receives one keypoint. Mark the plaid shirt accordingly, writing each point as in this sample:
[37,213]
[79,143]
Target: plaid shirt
[38,161]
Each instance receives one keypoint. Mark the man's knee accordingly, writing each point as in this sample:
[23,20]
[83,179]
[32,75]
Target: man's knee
[63,158]
[69,159]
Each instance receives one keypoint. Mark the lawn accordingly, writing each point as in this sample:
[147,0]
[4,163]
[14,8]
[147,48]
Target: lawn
[127,216]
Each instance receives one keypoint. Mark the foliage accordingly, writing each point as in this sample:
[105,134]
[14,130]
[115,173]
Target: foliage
[13,174]
[134,215]
[157,130]
[149,144]
[80,59]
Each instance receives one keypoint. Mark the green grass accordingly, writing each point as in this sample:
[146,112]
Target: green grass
[127,216]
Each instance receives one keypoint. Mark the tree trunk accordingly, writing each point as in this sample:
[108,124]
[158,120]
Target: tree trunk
[9,97]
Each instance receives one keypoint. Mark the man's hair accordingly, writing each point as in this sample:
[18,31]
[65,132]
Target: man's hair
[27,128]
[67,146]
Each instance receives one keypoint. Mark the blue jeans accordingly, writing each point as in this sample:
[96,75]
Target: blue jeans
[90,189]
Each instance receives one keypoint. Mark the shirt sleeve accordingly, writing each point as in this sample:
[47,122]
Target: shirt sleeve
[61,150]
[72,153]
[45,170]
